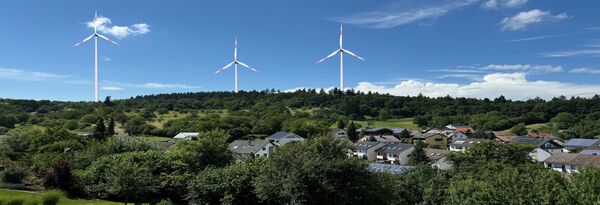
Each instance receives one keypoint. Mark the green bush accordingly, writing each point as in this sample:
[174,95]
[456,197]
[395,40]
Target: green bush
[51,197]
[15,201]
[164,202]
[14,174]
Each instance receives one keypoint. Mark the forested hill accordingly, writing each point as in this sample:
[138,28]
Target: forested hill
[263,112]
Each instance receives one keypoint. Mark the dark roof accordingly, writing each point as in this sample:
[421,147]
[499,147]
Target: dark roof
[427,135]
[582,142]
[590,151]
[532,140]
[466,142]
[377,130]
[366,145]
[280,135]
[574,159]
[389,168]
[436,154]
[247,146]
[399,130]
[395,148]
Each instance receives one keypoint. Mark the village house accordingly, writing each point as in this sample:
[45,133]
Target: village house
[366,149]
[395,153]
[455,136]
[388,139]
[434,140]
[544,146]
[571,163]
[187,136]
[438,158]
[282,138]
[243,149]
[574,144]
[464,144]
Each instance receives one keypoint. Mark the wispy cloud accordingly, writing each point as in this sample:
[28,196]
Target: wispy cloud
[541,37]
[111,88]
[104,26]
[496,4]
[571,53]
[474,77]
[592,71]
[525,68]
[525,19]
[24,75]
[455,70]
[151,85]
[393,16]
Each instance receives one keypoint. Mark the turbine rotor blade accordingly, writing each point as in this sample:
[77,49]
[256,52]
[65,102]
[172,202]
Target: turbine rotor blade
[84,40]
[341,31]
[107,39]
[352,54]
[224,67]
[247,66]
[329,56]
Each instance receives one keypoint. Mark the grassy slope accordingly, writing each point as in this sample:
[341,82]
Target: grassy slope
[10,194]
[392,123]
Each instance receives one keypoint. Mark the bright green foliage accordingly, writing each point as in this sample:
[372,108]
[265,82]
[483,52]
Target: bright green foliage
[488,152]
[519,129]
[584,188]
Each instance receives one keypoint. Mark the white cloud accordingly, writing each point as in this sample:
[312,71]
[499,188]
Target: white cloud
[511,85]
[24,75]
[585,71]
[524,19]
[495,4]
[391,18]
[105,58]
[571,53]
[540,37]
[104,26]
[112,88]
[525,68]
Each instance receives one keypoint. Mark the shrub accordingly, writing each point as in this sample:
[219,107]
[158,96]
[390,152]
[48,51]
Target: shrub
[16,201]
[164,202]
[14,174]
[51,197]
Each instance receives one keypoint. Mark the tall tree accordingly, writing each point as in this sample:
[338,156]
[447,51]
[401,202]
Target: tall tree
[110,130]
[100,130]
[107,101]
[341,124]
[519,129]
[351,130]
[418,156]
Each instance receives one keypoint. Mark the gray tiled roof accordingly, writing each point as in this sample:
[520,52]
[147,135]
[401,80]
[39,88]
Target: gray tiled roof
[582,142]
[395,148]
[365,145]
[247,146]
[280,135]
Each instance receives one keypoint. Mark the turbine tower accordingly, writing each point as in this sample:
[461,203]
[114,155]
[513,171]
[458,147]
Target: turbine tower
[341,50]
[235,63]
[96,35]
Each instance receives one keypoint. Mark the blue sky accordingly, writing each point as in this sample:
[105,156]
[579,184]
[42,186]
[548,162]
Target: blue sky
[473,48]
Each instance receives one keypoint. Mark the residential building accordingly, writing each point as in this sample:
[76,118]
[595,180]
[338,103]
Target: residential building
[573,144]
[395,153]
[388,139]
[242,149]
[504,138]
[571,163]
[438,158]
[464,144]
[187,136]
[455,136]
[434,140]
[544,146]
[282,138]
[366,149]
[590,151]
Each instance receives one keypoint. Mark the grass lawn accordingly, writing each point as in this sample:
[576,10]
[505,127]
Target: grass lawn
[535,126]
[29,196]
[392,123]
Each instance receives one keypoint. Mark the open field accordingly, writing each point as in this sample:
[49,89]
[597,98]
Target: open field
[6,194]
[392,123]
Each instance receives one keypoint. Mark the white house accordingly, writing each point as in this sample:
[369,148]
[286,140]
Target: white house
[395,153]
[187,136]
[388,139]
[463,144]
[438,158]
[455,135]
[366,149]
[544,146]
[245,148]
[571,163]
[282,138]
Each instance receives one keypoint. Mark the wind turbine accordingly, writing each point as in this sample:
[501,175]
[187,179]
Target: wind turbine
[341,50]
[235,62]
[96,35]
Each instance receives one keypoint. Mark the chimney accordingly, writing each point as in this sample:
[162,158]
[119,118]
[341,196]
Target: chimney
[250,141]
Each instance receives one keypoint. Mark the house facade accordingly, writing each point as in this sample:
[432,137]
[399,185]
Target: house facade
[366,150]
[395,153]
[243,149]
[438,158]
[433,139]
[282,138]
[544,146]
[464,144]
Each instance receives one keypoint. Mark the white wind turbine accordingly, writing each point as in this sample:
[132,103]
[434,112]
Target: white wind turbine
[96,35]
[235,62]
[341,50]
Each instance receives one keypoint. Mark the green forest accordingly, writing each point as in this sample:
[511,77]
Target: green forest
[112,150]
